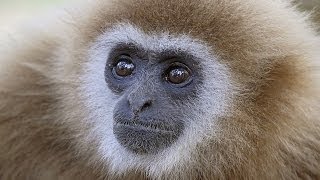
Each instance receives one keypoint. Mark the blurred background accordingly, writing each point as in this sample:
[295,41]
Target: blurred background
[13,12]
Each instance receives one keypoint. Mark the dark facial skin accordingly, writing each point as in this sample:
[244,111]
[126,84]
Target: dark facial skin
[154,89]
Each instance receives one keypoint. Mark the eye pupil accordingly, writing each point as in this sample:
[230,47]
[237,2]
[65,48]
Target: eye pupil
[124,67]
[178,75]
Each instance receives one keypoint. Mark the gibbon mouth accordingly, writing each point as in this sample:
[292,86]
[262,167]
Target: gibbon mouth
[160,128]
[144,138]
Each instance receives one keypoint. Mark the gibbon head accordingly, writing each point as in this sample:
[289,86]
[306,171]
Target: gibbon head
[159,94]
[159,86]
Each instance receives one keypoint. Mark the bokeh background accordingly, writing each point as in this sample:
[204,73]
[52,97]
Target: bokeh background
[16,12]
[13,12]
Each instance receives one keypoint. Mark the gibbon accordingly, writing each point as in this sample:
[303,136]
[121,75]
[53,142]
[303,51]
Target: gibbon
[153,89]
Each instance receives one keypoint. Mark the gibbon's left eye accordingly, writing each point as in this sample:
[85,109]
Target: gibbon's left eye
[178,74]
[124,66]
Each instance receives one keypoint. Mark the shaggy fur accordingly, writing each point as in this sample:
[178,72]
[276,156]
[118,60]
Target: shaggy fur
[271,131]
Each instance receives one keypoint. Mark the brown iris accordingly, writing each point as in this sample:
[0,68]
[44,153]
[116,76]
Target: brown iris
[178,74]
[124,67]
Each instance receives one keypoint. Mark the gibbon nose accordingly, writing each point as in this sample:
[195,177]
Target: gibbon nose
[139,105]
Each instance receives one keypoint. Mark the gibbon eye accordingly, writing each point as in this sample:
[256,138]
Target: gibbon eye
[124,67]
[178,74]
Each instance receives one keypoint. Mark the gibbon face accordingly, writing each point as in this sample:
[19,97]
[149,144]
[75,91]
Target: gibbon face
[155,93]
[156,82]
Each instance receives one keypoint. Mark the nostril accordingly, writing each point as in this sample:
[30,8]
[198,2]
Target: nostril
[146,105]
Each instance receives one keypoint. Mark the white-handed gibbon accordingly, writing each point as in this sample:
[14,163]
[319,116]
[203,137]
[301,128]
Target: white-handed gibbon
[153,89]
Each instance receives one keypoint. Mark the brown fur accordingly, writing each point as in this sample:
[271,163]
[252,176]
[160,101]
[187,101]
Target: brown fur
[273,131]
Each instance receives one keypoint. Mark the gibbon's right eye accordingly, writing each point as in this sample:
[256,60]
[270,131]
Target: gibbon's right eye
[124,66]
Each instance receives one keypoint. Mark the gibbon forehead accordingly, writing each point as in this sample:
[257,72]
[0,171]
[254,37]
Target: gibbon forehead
[235,35]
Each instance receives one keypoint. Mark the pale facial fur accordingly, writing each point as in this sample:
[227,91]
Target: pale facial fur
[100,100]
